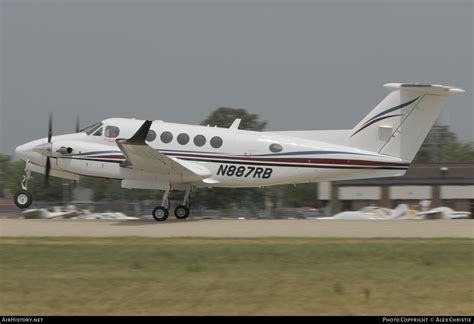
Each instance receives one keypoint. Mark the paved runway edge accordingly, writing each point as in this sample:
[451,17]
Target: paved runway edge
[239,228]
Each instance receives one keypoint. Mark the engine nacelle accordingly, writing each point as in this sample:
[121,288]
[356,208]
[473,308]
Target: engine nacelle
[65,150]
[62,148]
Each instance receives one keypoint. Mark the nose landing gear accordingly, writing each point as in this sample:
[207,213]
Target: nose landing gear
[23,198]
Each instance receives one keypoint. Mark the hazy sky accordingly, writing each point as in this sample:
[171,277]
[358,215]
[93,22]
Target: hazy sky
[299,65]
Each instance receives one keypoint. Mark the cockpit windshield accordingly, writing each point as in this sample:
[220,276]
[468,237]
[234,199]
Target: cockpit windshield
[90,129]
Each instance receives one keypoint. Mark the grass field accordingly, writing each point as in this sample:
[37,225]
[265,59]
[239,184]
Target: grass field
[145,276]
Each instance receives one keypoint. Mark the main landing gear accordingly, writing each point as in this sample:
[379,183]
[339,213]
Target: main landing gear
[23,198]
[182,211]
[161,213]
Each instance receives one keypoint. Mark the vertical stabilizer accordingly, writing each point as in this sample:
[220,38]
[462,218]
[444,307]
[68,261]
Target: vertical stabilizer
[399,124]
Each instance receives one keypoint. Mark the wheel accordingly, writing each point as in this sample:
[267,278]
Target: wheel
[181,212]
[23,199]
[160,213]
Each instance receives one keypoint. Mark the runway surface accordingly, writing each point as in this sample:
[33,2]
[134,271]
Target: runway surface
[239,228]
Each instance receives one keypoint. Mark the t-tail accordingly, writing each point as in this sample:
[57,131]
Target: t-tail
[399,124]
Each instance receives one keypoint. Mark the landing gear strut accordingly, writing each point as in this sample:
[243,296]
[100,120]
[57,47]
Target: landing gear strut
[23,198]
[161,213]
[182,211]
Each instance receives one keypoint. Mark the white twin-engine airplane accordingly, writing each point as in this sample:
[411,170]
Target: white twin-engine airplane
[166,156]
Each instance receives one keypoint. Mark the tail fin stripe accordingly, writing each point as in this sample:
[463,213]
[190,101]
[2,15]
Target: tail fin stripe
[374,121]
[397,126]
[403,121]
[393,109]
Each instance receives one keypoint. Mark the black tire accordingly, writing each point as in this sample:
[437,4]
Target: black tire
[23,199]
[160,214]
[181,212]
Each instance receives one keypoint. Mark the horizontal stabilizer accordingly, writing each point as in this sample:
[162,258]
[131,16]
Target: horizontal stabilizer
[424,88]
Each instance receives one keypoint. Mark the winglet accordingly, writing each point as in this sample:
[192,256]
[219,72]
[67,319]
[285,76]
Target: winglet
[141,134]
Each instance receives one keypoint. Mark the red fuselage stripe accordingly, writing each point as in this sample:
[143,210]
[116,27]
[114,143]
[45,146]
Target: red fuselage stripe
[275,160]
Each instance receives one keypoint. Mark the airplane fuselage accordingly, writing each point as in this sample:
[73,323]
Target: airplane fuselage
[168,156]
[233,157]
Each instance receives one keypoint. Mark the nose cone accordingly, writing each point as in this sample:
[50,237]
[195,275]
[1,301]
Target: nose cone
[27,151]
[23,151]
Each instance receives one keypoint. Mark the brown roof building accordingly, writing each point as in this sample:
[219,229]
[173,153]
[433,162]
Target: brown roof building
[444,184]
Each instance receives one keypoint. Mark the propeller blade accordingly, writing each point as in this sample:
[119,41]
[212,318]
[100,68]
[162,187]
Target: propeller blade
[46,173]
[50,127]
[77,124]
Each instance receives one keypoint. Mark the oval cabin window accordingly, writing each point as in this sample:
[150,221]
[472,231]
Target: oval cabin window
[275,148]
[216,142]
[199,140]
[183,138]
[150,137]
[166,137]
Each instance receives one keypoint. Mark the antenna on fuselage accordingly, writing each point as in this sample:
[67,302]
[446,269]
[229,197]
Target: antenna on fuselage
[235,124]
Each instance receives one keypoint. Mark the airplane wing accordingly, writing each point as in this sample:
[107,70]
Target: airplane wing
[141,156]
[430,214]
[443,213]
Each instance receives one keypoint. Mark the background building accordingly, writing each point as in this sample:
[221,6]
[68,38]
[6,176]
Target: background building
[446,184]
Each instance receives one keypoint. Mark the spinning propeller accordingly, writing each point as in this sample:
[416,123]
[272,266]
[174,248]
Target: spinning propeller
[48,161]
[46,149]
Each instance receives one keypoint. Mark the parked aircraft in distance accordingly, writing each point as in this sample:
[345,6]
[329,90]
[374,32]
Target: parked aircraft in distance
[157,155]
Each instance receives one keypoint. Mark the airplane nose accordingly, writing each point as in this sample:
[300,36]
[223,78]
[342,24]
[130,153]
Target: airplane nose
[27,151]
[21,152]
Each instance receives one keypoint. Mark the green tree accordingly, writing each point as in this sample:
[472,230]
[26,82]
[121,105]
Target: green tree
[225,116]
[301,195]
[110,189]
[457,151]
[423,155]
[4,162]
[57,190]
[228,198]
[452,150]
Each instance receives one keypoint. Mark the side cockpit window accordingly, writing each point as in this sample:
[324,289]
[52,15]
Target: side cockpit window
[90,129]
[111,131]
[98,132]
